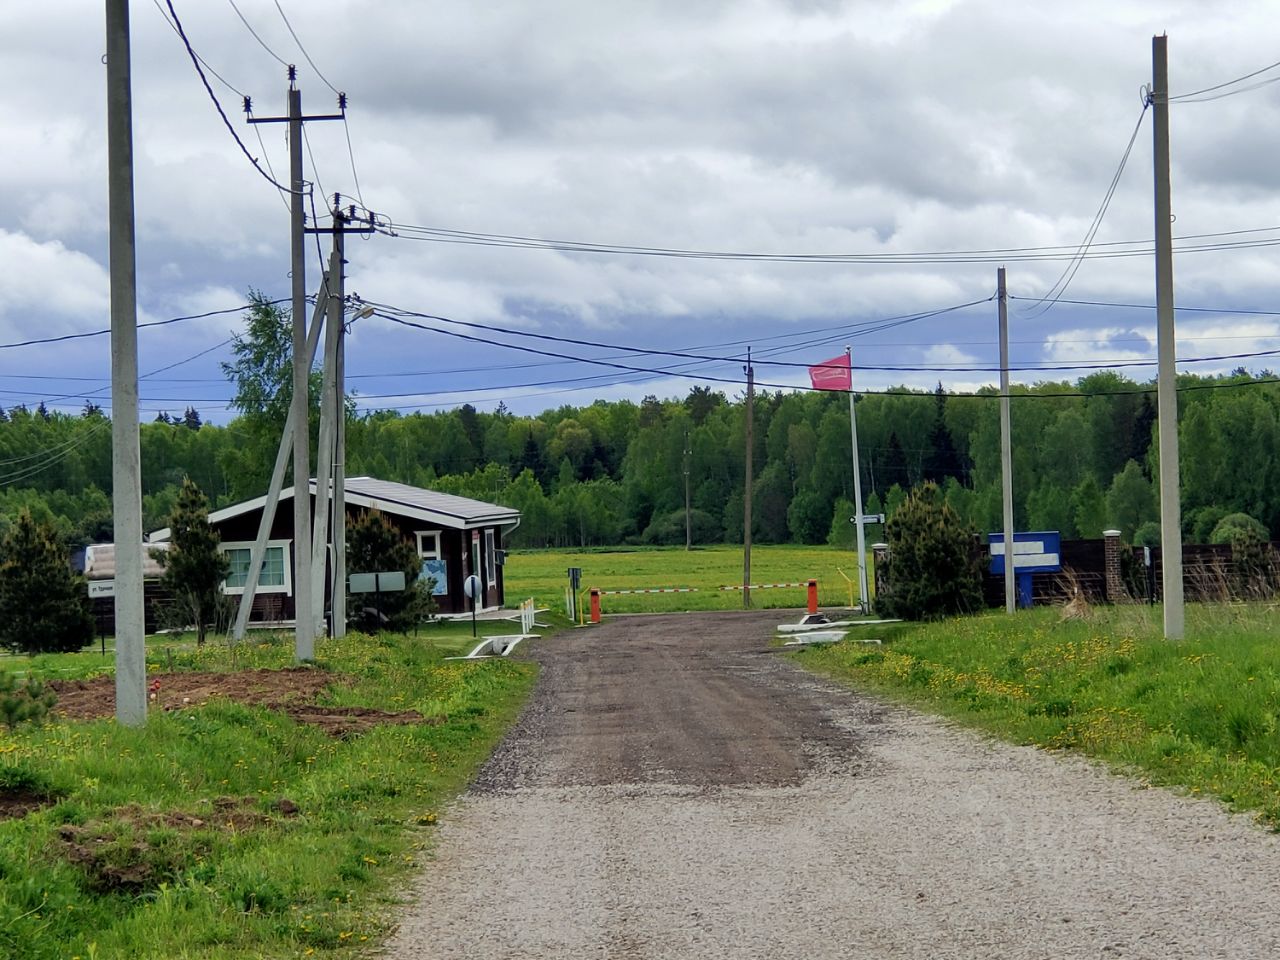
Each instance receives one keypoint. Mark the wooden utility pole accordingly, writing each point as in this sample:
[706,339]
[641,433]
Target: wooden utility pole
[126,459]
[1167,377]
[747,495]
[1006,447]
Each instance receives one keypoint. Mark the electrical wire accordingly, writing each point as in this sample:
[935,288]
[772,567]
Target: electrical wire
[195,62]
[293,34]
[217,76]
[1187,97]
[254,33]
[141,326]
[1059,288]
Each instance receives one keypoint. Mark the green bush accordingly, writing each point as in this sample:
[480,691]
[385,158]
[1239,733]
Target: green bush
[1236,525]
[934,568]
[44,605]
[21,703]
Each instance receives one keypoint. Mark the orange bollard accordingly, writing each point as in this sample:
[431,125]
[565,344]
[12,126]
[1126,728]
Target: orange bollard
[595,605]
[813,595]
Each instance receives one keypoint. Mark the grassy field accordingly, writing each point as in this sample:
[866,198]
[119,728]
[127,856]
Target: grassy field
[179,840]
[541,574]
[1203,714]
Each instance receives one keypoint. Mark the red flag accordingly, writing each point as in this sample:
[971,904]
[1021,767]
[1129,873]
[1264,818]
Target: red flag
[833,374]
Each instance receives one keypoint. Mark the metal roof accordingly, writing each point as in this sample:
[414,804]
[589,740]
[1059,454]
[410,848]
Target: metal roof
[442,509]
[402,498]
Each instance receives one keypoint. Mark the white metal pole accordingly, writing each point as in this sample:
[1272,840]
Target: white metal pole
[1006,448]
[126,461]
[863,598]
[1167,376]
[328,430]
[340,486]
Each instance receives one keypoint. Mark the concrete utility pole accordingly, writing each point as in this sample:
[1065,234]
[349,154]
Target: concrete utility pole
[1167,377]
[126,461]
[688,529]
[329,411]
[276,484]
[340,480]
[1006,447]
[305,625]
[746,497]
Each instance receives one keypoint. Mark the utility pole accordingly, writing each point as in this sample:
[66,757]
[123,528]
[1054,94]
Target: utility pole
[688,529]
[746,498]
[340,480]
[863,597]
[276,484]
[305,625]
[1006,446]
[1167,377]
[328,426]
[126,460]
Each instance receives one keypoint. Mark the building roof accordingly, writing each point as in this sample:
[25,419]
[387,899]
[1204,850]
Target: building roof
[441,509]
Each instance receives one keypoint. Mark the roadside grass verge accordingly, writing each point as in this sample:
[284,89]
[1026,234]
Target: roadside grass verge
[541,574]
[1202,714]
[227,831]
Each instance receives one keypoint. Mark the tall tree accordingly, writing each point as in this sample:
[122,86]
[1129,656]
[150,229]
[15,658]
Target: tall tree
[194,567]
[44,605]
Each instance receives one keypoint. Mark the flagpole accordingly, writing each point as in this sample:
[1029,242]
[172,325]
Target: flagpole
[857,493]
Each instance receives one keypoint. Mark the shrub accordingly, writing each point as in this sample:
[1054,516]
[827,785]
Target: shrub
[28,702]
[668,529]
[934,568]
[44,605]
[1235,525]
[374,545]
[1148,535]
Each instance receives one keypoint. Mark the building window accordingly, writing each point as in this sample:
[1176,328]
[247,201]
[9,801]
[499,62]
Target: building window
[274,576]
[490,571]
[433,566]
[428,544]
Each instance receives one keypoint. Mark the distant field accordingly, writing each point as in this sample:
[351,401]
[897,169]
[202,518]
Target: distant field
[542,574]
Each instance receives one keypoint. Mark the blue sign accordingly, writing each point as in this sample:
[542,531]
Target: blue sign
[1039,552]
[1032,552]
[438,571]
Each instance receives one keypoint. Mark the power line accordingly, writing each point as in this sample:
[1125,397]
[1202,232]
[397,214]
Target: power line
[254,33]
[1187,97]
[195,62]
[153,323]
[1060,285]
[293,34]
[219,77]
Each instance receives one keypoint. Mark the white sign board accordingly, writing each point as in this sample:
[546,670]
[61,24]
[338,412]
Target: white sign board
[101,588]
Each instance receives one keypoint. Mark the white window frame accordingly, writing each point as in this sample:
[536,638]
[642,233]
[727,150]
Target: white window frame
[490,564]
[424,537]
[285,588]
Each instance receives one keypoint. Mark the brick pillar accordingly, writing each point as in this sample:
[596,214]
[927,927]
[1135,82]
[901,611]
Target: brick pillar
[1116,591]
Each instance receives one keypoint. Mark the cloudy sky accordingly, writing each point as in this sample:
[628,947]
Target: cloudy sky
[867,133]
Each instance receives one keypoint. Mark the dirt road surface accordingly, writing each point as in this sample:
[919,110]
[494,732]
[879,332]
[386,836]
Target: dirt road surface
[676,791]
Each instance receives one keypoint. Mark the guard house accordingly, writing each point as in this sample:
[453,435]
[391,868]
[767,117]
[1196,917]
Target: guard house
[454,536]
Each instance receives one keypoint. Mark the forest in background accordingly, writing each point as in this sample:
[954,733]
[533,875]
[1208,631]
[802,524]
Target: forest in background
[614,472]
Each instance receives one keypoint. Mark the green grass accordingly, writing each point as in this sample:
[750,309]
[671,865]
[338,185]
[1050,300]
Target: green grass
[317,884]
[1202,714]
[541,574]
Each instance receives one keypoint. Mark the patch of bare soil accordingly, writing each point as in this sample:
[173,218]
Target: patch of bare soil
[291,691]
[132,849]
[19,801]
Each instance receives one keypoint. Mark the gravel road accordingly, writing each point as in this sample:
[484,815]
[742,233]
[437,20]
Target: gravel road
[674,790]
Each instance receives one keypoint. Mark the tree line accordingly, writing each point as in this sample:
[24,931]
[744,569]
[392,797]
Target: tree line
[613,472]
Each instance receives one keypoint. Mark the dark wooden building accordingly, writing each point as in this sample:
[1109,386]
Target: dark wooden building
[454,536]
